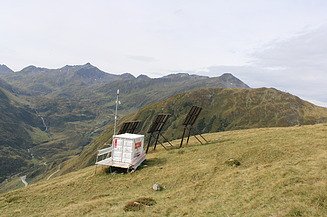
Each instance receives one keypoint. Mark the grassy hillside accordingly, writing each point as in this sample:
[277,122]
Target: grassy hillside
[223,109]
[230,109]
[282,172]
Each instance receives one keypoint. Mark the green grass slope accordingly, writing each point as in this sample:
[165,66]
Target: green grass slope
[223,109]
[230,109]
[282,173]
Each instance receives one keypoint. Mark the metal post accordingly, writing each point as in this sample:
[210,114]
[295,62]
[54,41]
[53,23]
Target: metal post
[182,137]
[156,142]
[166,140]
[198,139]
[203,138]
[147,148]
[116,112]
[189,133]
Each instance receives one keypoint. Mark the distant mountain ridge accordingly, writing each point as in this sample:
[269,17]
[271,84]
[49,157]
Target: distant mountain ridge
[5,69]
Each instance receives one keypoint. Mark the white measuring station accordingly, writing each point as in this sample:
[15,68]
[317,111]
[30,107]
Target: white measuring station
[126,150]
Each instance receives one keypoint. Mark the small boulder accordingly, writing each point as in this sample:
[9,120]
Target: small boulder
[157,187]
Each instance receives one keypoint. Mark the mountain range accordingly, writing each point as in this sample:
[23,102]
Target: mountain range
[73,104]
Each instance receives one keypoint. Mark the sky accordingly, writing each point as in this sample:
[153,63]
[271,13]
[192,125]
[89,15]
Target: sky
[279,43]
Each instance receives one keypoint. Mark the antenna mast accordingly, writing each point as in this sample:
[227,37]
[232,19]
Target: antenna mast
[117,101]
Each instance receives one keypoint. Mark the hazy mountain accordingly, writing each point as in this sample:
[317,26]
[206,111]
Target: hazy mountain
[5,69]
[42,81]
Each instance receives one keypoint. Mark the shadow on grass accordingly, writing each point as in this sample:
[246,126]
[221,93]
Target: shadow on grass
[154,162]
[147,163]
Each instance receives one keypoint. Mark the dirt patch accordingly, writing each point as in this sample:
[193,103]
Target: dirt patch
[139,204]
[232,162]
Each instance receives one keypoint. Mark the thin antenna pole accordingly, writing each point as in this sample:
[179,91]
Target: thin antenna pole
[117,101]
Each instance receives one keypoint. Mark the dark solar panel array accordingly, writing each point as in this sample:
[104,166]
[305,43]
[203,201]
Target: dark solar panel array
[192,116]
[129,127]
[188,123]
[155,130]
[158,123]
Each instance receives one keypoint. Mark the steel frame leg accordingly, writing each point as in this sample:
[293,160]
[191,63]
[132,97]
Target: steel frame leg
[182,138]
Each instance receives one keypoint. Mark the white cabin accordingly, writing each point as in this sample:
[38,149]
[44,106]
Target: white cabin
[126,151]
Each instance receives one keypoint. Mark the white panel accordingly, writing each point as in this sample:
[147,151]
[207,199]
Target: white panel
[127,155]
[127,160]
[117,156]
[128,149]
[128,143]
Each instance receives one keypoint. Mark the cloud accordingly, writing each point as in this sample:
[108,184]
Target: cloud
[297,65]
[141,58]
[308,86]
[178,12]
[306,52]
[303,64]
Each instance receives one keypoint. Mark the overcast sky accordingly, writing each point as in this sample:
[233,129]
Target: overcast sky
[281,44]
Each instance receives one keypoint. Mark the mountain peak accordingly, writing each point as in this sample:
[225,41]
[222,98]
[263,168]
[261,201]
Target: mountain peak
[227,75]
[5,69]
[88,64]
[177,75]
[143,77]
[32,68]
[127,76]
[232,81]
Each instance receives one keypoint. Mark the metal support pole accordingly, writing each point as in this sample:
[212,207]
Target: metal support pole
[147,148]
[162,144]
[188,137]
[198,139]
[203,138]
[155,144]
[117,101]
[182,137]
[166,140]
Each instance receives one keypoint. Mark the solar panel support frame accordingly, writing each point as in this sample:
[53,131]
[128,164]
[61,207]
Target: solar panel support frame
[188,123]
[155,131]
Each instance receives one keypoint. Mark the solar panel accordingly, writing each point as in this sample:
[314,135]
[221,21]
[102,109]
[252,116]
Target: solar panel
[156,128]
[158,123]
[188,123]
[192,115]
[129,127]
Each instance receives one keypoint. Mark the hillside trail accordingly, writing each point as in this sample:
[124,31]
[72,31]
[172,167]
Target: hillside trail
[23,178]
[54,172]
